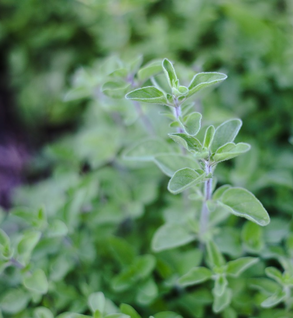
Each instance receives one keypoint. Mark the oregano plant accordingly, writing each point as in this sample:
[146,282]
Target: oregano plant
[192,170]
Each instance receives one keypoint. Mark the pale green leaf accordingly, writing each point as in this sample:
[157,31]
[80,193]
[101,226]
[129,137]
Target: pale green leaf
[274,299]
[147,292]
[170,163]
[204,79]
[37,282]
[219,192]
[252,236]
[57,228]
[149,70]
[188,142]
[184,179]
[97,301]
[148,94]
[27,244]
[223,301]
[209,136]
[225,133]
[115,88]
[171,235]
[170,73]
[128,310]
[43,312]
[215,257]
[236,267]
[195,276]
[192,123]
[220,285]
[243,203]
[147,150]
[275,274]
[14,301]
[230,150]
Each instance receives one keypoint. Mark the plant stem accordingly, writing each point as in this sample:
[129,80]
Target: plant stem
[16,263]
[177,113]
[204,217]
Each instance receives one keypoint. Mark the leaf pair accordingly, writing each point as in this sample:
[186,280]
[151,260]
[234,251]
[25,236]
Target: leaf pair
[151,94]
[218,272]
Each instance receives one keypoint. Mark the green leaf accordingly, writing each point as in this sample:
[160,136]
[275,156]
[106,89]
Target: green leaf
[192,123]
[14,301]
[243,203]
[275,274]
[195,276]
[27,244]
[128,310]
[140,269]
[171,235]
[236,267]
[225,133]
[204,79]
[215,258]
[220,285]
[170,163]
[37,282]
[115,88]
[188,142]
[184,179]
[223,301]
[229,313]
[57,228]
[167,314]
[230,150]
[252,236]
[148,94]
[149,70]
[43,312]
[219,192]
[72,315]
[5,250]
[147,292]
[147,150]
[97,301]
[121,250]
[170,73]
[209,136]
[274,299]
[118,315]
[265,285]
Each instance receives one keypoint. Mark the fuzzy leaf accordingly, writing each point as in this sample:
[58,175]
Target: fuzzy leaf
[225,133]
[170,163]
[209,136]
[169,72]
[274,299]
[243,203]
[148,94]
[150,70]
[97,301]
[204,79]
[184,179]
[275,274]
[57,228]
[14,301]
[188,142]
[195,276]
[130,311]
[214,255]
[146,150]
[37,282]
[221,302]
[115,88]
[43,312]
[230,150]
[219,192]
[220,285]
[171,235]
[27,245]
[252,236]
[192,123]
[236,267]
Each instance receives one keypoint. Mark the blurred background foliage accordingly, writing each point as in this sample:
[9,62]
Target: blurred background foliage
[55,56]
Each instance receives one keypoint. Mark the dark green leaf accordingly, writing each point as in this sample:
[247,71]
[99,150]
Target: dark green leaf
[195,276]
[236,267]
